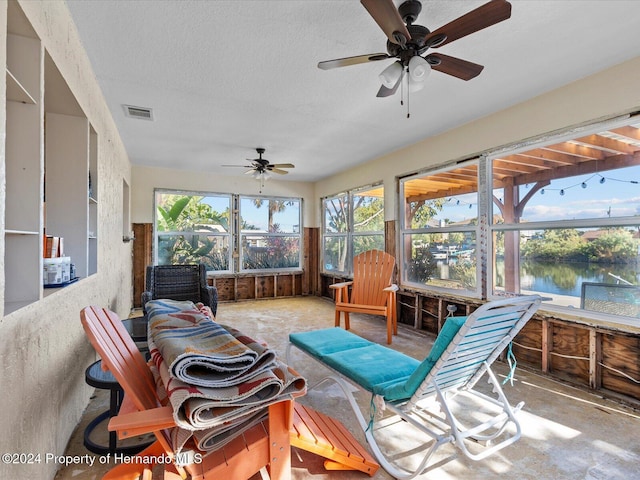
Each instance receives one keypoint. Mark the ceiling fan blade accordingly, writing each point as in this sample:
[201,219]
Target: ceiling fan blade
[453,66]
[345,62]
[241,166]
[387,92]
[278,171]
[482,17]
[282,165]
[386,15]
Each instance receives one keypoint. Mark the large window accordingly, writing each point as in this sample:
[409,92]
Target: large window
[353,222]
[195,227]
[439,228]
[557,219]
[566,222]
[269,233]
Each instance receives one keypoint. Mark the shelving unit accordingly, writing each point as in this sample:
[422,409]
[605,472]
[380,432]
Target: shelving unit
[23,165]
[47,166]
[92,232]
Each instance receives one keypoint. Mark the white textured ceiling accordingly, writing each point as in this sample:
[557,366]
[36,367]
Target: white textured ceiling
[224,77]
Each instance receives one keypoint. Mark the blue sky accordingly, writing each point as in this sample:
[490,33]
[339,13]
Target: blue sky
[618,195]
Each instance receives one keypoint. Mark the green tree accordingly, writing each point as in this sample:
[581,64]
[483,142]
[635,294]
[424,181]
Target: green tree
[421,212]
[198,221]
[560,244]
[615,246]
[422,266]
[275,206]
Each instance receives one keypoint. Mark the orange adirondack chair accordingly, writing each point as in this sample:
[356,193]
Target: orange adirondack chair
[267,444]
[371,290]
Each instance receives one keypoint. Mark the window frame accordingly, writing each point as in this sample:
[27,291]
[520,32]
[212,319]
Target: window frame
[598,223]
[349,234]
[241,234]
[487,228]
[406,231]
[234,234]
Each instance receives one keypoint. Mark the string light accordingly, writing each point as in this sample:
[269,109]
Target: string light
[460,202]
[586,182]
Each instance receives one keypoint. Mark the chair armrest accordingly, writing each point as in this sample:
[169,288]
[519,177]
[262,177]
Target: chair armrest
[335,286]
[210,298]
[133,423]
[146,296]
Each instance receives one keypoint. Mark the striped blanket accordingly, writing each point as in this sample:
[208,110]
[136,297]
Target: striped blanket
[200,351]
[218,381]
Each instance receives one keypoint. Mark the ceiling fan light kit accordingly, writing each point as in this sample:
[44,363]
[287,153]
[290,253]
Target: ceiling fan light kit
[419,69]
[390,75]
[408,42]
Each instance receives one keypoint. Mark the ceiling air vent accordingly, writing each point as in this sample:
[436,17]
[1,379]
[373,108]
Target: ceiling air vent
[141,113]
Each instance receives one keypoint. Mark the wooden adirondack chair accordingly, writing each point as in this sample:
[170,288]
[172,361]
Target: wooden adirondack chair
[371,290]
[267,444]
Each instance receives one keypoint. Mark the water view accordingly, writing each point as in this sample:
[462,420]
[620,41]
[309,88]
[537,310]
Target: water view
[567,278]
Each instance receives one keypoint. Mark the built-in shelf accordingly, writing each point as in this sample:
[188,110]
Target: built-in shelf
[56,170]
[23,164]
[16,92]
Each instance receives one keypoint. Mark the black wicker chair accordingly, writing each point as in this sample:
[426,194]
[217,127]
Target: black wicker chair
[179,282]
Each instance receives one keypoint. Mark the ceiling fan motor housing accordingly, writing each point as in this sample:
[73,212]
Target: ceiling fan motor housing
[414,46]
[409,11]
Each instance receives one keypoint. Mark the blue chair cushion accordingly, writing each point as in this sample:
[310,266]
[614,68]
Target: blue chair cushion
[319,343]
[403,389]
[373,365]
[378,369]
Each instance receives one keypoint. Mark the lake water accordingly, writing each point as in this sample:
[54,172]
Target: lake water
[567,278]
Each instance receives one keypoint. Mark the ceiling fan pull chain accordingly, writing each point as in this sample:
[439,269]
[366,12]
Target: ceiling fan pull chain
[408,94]
[402,88]
[408,112]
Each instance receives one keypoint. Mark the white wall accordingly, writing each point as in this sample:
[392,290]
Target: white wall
[146,179]
[43,348]
[607,93]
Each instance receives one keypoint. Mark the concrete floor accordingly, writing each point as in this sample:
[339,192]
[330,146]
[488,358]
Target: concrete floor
[567,433]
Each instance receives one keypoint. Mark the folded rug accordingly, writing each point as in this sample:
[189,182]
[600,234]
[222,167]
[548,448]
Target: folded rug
[199,351]
[196,407]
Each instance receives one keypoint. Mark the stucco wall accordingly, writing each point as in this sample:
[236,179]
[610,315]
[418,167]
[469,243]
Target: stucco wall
[43,348]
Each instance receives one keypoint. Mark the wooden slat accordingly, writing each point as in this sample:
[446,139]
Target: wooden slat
[241,458]
[322,435]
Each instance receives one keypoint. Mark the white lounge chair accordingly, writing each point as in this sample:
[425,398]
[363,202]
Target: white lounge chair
[422,393]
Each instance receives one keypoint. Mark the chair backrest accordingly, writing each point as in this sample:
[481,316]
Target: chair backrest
[372,272]
[120,355]
[478,343]
[177,282]
[125,362]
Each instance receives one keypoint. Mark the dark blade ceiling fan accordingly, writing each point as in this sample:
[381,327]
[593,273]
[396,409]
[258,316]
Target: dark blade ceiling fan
[262,166]
[408,42]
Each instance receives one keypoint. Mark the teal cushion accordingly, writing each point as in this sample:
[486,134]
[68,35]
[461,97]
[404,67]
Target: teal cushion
[378,369]
[372,365]
[400,390]
[327,341]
